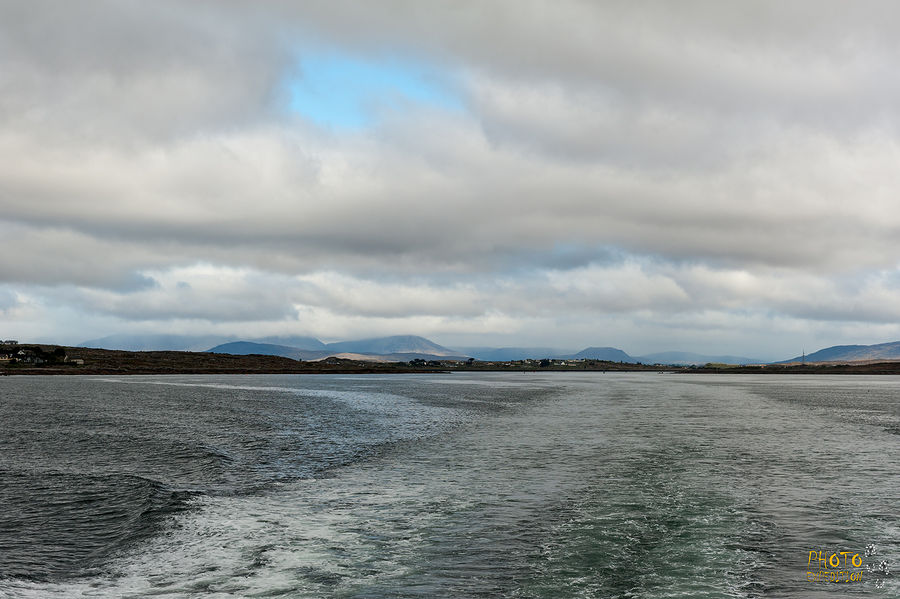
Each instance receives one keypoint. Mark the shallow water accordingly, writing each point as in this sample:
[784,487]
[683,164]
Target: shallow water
[485,485]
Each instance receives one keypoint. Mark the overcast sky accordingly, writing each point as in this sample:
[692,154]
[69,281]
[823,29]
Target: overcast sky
[704,176]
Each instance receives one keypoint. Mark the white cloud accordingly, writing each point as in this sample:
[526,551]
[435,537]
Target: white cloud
[728,168]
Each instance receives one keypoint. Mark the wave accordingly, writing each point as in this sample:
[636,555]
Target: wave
[57,525]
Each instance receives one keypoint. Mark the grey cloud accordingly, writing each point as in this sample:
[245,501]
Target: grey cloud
[58,257]
[116,73]
[250,298]
[789,208]
[410,200]
[140,138]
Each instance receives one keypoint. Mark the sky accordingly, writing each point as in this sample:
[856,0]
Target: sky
[713,177]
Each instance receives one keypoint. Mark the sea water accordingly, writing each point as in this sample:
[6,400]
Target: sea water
[459,485]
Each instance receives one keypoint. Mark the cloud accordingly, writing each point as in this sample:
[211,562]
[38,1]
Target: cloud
[8,300]
[648,163]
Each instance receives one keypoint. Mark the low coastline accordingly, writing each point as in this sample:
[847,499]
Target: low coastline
[90,361]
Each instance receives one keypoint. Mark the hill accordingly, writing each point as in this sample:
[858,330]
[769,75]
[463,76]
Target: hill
[852,353]
[610,354]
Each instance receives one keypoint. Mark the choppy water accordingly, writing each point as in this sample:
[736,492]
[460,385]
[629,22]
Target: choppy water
[488,485]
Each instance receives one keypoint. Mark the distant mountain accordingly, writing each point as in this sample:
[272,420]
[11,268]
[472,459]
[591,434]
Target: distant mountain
[502,354]
[292,341]
[853,353]
[683,357]
[409,347]
[505,354]
[401,357]
[150,342]
[246,348]
[399,344]
[393,349]
[611,354]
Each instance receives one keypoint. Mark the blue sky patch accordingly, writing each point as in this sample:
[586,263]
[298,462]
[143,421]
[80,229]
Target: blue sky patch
[347,92]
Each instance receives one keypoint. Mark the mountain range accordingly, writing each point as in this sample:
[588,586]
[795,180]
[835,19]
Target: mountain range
[399,348]
[383,349]
[612,354]
[409,347]
[406,348]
